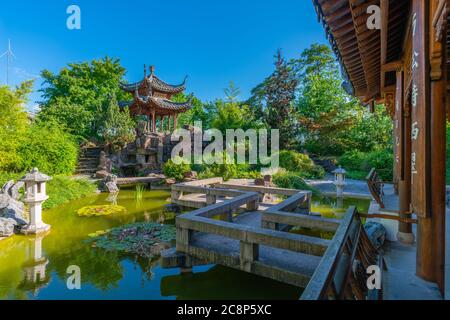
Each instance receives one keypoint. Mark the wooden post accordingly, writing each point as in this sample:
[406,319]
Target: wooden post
[402,141]
[438,73]
[249,253]
[431,213]
[175,120]
[253,205]
[153,121]
[183,239]
[211,199]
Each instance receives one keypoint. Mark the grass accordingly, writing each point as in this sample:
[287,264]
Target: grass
[140,188]
[62,189]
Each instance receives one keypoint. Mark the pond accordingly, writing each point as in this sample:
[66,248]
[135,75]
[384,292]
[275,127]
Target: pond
[35,267]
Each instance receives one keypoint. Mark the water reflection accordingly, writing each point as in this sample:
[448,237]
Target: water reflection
[35,267]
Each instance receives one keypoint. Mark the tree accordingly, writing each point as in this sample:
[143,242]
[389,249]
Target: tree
[74,97]
[118,128]
[273,100]
[199,111]
[324,110]
[13,123]
[331,121]
[232,92]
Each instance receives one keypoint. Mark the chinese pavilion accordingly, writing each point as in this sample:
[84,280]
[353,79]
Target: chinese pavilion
[153,99]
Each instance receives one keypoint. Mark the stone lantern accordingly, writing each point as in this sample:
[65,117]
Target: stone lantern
[339,181]
[35,195]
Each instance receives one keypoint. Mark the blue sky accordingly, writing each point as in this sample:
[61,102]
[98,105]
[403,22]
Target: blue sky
[211,41]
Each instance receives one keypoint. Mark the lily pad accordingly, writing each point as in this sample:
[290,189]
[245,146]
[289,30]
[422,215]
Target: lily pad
[145,239]
[97,211]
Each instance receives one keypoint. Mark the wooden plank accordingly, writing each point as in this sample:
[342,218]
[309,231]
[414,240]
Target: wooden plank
[420,108]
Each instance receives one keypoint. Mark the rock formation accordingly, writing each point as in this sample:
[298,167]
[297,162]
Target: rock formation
[11,209]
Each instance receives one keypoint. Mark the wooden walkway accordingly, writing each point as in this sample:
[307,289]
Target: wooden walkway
[233,225]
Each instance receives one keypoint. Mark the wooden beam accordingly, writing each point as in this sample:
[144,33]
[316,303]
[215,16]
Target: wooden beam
[384,4]
[392,66]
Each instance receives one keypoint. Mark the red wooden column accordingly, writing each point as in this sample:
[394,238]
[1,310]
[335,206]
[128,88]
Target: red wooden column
[153,121]
[420,137]
[428,141]
[438,72]
[402,142]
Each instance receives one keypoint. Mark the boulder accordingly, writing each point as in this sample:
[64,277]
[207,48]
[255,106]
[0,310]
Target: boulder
[102,174]
[7,186]
[170,181]
[260,182]
[12,209]
[376,233]
[7,227]
[105,164]
[268,178]
[191,175]
[109,184]
[14,191]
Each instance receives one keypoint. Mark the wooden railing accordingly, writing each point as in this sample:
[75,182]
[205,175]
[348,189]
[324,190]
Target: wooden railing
[295,212]
[249,237]
[342,272]
[376,185]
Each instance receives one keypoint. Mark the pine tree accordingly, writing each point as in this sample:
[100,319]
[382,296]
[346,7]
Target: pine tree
[118,128]
[279,91]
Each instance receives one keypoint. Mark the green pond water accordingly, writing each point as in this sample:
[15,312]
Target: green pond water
[35,267]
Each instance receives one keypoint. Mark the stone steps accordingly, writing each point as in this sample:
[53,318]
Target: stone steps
[88,160]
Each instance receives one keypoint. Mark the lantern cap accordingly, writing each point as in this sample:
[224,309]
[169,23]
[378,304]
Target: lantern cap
[35,176]
[340,170]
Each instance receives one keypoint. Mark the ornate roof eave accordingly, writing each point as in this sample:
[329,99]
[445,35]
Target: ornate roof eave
[156,84]
[159,103]
[172,106]
[161,86]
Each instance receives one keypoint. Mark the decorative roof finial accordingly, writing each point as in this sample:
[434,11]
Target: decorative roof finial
[152,69]
[145,71]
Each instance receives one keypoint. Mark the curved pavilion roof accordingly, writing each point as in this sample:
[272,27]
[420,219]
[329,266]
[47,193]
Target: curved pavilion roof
[146,101]
[154,83]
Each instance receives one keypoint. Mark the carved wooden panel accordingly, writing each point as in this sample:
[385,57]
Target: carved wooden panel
[420,152]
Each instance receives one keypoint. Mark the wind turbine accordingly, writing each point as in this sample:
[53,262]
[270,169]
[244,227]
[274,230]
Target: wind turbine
[9,56]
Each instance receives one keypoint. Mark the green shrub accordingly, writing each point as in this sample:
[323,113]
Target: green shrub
[352,160]
[62,189]
[301,164]
[291,180]
[359,164]
[8,176]
[49,148]
[176,171]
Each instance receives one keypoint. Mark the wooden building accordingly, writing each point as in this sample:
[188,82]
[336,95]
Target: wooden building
[395,52]
[153,99]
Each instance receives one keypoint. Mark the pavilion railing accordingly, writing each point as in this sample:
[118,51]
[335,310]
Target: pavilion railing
[342,272]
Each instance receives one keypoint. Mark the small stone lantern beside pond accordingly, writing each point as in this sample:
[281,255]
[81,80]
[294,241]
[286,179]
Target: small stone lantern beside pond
[35,195]
[339,181]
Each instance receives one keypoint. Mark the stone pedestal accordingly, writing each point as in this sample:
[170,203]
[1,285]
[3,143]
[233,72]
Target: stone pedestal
[36,225]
